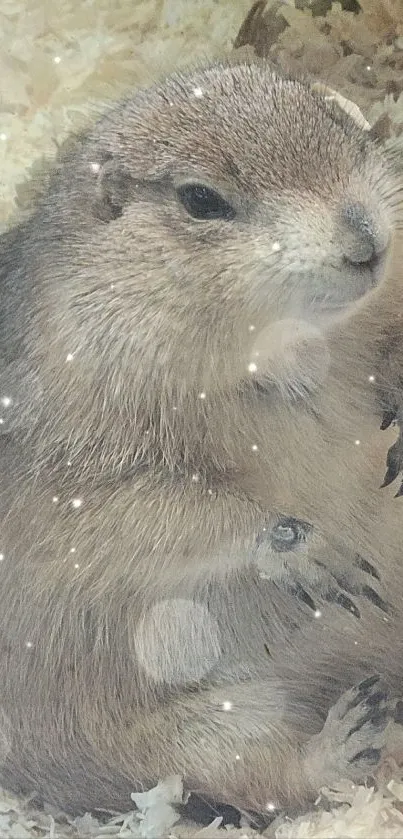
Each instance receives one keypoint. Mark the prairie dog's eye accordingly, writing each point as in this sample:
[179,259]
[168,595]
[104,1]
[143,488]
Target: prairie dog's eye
[204,203]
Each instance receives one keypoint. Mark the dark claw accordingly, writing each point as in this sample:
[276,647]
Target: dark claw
[375,598]
[394,458]
[297,591]
[393,463]
[367,684]
[378,718]
[373,755]
[342,600]
[363,688]
[366,566]
[387,419]
[354,702]
[398,715]
[345,585]
[375,698]
[341,581]
[348,604]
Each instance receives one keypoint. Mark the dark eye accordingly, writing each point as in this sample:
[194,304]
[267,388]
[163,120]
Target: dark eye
[204,203]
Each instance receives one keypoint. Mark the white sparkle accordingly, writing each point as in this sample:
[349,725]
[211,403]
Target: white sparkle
[29,644]
[1,421]
[195,478]
[251,328]
[369,67]
[270,806]
[76,565]
[174,408]
[76,503]
[210,491]
[227,706]
[254,447]
[57,59]
[55,499]
[112,286]
[1,557]
[6,401]
[69,463]
[69,356]
[202,395]
[357,442]
[72,550]
[275,246]
[252,367]
[355,643]
[237,757]
[318,613]
[95,167]
[198,92]
[371,378]
[3,136]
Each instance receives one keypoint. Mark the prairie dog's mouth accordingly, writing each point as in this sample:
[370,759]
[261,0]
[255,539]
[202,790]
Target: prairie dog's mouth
[340,298]
[371,269]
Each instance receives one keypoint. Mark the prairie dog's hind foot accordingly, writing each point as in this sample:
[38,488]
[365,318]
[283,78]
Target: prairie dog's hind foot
[353,736]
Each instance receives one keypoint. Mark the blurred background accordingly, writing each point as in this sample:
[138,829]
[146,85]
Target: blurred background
[60,60]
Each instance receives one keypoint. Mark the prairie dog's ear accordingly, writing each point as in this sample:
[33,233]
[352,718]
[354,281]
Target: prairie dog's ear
[346,105]
[115,188]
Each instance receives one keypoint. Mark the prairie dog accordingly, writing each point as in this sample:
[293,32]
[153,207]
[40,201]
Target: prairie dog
[144,450]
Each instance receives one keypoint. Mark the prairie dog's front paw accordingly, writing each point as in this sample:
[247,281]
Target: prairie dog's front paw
[292,355]
[351,740]
[298,559]
[394,458]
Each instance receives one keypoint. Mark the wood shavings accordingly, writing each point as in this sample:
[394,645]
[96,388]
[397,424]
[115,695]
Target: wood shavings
[359,53]
[60,63]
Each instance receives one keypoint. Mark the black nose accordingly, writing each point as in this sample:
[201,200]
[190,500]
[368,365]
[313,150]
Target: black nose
[364,241]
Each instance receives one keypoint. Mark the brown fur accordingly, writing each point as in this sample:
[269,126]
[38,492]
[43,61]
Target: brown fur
[133,609]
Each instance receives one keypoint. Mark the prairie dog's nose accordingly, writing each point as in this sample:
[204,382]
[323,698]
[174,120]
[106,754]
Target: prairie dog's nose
[365,240]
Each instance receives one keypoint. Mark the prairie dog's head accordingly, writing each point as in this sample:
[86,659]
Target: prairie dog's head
[202,211]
